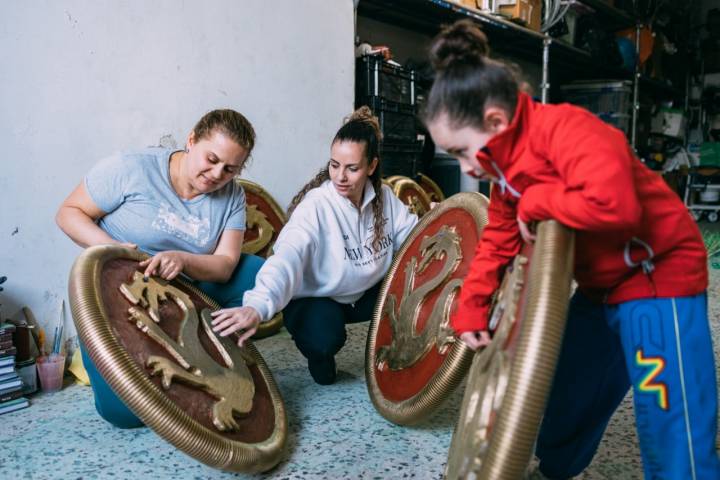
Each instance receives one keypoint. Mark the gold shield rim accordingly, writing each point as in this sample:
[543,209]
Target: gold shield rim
[424,180]
[272,326]
[260,191]
[403,183]
[523,386]
[143,397]
[458,359]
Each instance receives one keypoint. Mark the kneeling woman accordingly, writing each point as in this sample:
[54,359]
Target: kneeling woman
[329,259]
[182,207]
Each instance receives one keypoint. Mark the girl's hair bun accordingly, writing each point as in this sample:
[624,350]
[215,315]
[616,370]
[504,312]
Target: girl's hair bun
[462,43]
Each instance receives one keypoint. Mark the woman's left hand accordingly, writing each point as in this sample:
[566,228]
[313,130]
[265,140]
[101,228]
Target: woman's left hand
[230,320]
[525,231]
[167,265]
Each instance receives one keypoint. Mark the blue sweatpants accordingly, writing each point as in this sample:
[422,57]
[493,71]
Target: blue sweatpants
[662,347]
[228,294]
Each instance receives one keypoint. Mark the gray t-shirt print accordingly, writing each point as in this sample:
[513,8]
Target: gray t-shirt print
[142,207]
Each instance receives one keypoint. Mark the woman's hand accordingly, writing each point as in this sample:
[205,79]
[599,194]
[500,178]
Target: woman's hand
[477,339]
[230,320]
[167,265]
[525,231]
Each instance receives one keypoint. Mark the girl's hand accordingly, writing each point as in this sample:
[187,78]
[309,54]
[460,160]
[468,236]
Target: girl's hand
[477,339]
[167,265]
[230,320]
[525,231]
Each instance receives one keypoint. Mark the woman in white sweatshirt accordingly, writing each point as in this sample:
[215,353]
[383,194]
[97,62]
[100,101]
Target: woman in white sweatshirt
[330,258]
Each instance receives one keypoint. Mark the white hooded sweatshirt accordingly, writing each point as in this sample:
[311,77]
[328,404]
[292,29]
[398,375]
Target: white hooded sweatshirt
[325,250]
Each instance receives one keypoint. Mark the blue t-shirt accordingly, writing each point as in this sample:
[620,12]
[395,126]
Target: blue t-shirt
[142,207]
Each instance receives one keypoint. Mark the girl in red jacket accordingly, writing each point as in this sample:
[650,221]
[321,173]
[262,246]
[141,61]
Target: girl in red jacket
[639,316]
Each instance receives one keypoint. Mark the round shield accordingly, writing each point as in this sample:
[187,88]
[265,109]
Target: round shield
[431,188]
[510,379]
[265,219]
[152,342]
[412,195]
[393,178]
[412,359]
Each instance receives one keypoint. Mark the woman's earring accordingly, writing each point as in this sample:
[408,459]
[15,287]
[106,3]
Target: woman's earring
[186,150]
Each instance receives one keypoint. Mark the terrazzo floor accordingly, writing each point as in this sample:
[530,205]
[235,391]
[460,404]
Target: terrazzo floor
[334,431]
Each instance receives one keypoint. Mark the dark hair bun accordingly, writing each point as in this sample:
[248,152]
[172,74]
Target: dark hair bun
[365,115]
[462,43]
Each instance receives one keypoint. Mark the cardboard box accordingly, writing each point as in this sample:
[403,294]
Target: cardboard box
[473,4]
[670,122]
[528,12]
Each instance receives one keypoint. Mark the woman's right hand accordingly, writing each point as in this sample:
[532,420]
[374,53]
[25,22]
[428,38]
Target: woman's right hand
[477,339]
[230,320]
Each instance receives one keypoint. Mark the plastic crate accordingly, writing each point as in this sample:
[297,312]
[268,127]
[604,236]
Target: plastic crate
[376,78]
[400,158]
[397,120]
[600,97]
[618,120]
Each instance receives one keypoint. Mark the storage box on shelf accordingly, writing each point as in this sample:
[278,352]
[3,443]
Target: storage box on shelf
[374,77]
[397,120]
[609,100]
[600,97]
[401,158]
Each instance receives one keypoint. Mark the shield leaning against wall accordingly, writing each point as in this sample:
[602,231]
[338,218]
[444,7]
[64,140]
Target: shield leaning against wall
[509,380]
[412,360]
[151,341]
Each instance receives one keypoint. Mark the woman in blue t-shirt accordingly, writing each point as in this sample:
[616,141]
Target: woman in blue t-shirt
[181,207]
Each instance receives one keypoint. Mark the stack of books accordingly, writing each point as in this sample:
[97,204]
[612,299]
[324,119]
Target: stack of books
[11,386]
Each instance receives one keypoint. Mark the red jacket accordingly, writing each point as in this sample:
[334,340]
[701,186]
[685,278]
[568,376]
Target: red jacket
[562,162]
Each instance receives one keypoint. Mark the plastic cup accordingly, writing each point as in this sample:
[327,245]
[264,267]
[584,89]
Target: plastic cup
[50,370]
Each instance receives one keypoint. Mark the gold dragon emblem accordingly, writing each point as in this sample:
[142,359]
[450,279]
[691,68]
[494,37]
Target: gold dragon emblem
[231,384]
[407,346]
[257,219]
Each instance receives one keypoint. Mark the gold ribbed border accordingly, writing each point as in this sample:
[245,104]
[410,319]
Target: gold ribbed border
[458,359]
[533,365]
[432,185]
[266,329]
[146,400]
[258,190]
[399,185]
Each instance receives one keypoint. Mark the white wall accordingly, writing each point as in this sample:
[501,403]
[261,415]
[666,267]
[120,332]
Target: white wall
[80,79]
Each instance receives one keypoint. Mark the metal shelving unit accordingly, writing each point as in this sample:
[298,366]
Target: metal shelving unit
[428,16]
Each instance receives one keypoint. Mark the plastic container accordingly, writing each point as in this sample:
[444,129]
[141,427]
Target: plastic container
[400,158]
[375,77]
[710,154]
[27,372]
[397,120]
[50,371]
[612,97]
[618,120]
